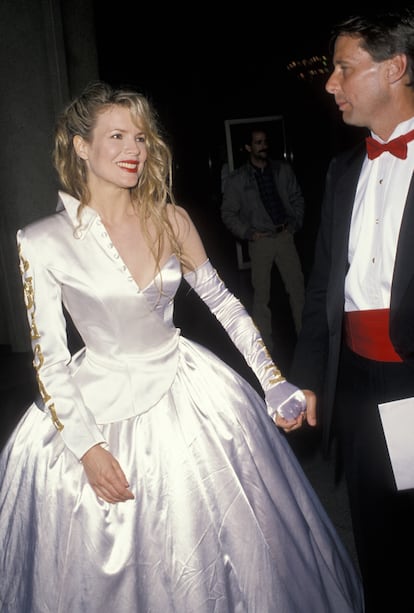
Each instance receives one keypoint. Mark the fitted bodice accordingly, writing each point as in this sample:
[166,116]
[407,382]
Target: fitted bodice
[131,348]
[130,352]
[116,318]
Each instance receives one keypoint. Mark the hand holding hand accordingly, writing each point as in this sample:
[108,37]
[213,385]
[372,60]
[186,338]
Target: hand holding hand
[309,415]
[105,475]
[284,398]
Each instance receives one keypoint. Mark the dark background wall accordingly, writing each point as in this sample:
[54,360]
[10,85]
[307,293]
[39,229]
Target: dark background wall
[199,66]
[47,54]
[205,66]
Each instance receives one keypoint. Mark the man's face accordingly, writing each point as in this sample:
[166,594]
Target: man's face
[258,148]
[358,83]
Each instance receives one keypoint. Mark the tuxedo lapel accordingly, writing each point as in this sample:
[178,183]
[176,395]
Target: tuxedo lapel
[345,196]
[345,181]
[404,260]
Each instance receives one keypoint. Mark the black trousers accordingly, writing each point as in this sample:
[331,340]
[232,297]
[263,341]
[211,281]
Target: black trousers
[382,517]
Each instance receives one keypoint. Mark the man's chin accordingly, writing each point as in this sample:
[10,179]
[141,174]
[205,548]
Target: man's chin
[349,118]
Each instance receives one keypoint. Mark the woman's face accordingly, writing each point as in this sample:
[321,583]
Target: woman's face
[117,152]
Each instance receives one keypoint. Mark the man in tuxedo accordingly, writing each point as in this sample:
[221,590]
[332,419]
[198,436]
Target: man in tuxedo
[356,345]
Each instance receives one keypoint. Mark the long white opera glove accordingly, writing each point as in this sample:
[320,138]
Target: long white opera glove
[280,396]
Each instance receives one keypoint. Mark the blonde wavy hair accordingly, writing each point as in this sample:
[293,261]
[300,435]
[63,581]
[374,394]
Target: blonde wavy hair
[154,188]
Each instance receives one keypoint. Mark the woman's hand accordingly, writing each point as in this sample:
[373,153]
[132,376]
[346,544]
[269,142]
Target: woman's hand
[308,416]
[105,475]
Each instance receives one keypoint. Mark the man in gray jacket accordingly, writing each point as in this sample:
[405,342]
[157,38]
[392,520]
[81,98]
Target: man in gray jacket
[263,204]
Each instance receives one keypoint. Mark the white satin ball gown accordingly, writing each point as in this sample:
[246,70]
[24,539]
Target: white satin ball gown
[224,519]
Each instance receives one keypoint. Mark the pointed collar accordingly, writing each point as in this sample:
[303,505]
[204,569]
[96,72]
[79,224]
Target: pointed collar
[71,205]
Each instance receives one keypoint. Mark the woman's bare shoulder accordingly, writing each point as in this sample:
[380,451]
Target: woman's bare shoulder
[177,211]
[187,235]
[179,218]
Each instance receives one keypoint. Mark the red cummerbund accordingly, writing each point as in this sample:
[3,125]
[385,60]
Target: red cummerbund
[367,333]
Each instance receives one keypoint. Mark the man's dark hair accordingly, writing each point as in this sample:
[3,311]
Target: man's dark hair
[251,129]
[383,34]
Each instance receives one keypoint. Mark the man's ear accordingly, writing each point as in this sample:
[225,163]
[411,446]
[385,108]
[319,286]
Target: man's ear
[80,147]
[396,68]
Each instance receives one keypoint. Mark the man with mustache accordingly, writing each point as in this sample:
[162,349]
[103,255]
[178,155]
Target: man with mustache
[264,204]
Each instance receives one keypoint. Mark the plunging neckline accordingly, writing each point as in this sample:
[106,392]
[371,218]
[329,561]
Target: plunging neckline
[125,267]
[167,261]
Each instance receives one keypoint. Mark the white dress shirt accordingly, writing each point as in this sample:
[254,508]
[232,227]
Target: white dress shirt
[376,218]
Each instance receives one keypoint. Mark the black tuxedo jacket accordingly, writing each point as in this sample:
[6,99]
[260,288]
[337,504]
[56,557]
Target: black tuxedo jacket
[316,356]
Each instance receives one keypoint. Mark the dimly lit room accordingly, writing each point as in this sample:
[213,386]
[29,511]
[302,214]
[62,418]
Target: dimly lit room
[159,460]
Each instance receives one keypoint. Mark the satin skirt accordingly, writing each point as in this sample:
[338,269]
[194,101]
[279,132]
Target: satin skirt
[224,519]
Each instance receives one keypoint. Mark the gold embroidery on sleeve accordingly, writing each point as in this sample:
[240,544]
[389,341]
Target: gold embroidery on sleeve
[28,295]
[38,358]
[38,363]
[277,376]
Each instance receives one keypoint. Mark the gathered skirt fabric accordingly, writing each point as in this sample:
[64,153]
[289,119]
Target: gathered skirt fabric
[224,519]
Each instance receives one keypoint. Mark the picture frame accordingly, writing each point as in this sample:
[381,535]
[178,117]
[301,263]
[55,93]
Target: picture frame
[236,155]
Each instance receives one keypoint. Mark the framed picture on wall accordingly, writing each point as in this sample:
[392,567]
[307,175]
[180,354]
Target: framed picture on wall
[235,131]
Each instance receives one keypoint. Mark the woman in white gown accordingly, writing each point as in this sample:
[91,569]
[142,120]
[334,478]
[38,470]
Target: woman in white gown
[149,477]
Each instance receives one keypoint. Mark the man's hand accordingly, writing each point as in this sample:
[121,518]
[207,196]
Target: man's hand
[105,475]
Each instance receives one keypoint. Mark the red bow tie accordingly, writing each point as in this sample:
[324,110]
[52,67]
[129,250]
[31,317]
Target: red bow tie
[397,146]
